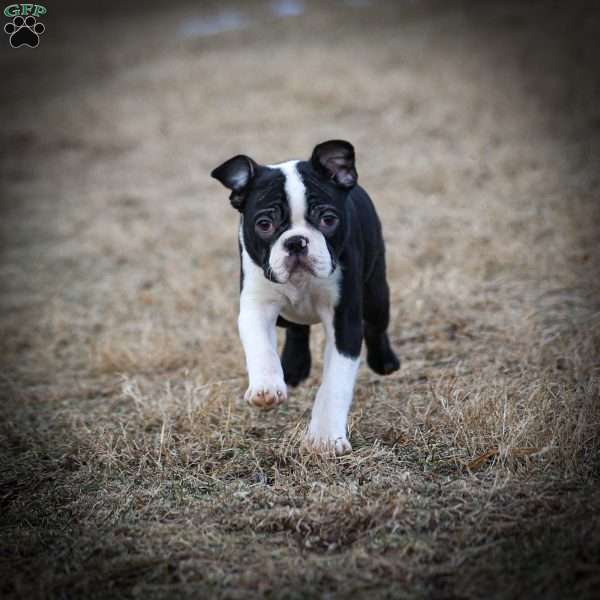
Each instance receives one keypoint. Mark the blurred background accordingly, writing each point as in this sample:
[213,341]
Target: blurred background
[477,132]
[473,123]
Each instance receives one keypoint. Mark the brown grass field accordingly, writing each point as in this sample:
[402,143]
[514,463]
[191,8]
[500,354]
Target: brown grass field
[130,466]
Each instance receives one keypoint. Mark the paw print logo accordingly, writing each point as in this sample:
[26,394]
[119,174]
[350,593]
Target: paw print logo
[24,32]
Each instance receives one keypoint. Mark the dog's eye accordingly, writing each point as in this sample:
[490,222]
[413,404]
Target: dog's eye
[264,226]
[328,222]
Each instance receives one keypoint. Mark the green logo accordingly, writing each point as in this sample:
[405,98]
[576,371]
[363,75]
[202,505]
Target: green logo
[24,29]
[22,10]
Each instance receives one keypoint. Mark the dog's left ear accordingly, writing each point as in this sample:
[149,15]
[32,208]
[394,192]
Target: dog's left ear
[235,174]
[335,160]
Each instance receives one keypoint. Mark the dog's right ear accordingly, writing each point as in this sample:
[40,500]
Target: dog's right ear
[235,174]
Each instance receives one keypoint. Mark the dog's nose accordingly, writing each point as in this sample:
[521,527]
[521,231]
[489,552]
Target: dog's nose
[297,244]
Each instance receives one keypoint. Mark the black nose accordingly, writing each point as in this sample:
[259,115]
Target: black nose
[297,244]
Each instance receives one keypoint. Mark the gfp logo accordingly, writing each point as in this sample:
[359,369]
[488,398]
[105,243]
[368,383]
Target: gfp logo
[24,29]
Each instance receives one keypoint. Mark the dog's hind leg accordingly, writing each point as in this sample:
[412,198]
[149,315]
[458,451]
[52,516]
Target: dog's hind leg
[295,357]
[376,313]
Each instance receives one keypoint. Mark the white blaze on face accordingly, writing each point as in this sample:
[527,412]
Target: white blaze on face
[318,254]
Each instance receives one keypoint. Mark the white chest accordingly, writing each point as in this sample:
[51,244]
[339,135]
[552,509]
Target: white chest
[304,300]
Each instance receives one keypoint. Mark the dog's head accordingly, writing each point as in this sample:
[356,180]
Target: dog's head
[294,214]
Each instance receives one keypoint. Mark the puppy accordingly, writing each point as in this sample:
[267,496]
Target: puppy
[311,251]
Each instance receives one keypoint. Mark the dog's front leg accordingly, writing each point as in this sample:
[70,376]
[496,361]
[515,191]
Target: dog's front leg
[257,322]
[328,424]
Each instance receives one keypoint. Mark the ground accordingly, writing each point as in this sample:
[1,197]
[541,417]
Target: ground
[130,466]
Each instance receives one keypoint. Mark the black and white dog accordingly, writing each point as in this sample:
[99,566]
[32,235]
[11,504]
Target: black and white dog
[311,250]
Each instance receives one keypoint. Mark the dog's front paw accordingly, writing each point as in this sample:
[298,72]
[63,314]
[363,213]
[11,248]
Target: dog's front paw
[266,394]
[339,445]
[326,443]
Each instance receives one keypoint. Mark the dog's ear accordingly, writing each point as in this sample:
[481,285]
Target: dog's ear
[335,160]
[235,174]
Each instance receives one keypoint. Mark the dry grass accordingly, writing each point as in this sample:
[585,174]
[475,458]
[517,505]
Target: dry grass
[130,466]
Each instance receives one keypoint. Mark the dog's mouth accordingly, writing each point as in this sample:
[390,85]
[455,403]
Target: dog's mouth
[299,264]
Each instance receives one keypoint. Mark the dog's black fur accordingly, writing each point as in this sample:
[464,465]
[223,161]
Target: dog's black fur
[364,308]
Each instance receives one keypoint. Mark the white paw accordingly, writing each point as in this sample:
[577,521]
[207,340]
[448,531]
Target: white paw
[266,394]
[339,444]
[327,432]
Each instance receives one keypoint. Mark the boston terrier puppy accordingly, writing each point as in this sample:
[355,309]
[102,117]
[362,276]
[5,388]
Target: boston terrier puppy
[311,251]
